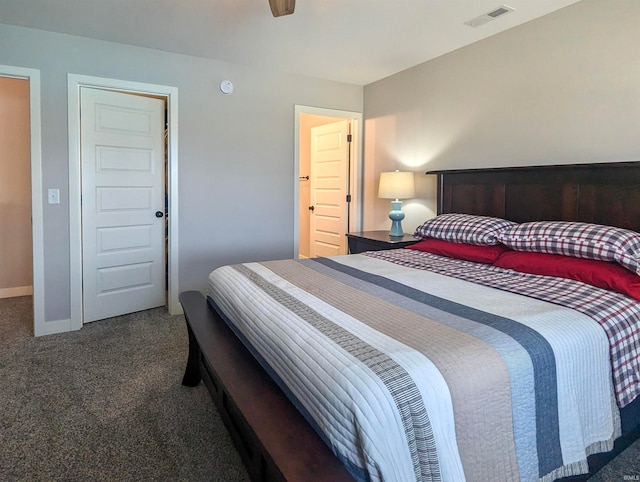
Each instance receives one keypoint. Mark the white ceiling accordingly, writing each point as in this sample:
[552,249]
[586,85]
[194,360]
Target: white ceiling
[353,41]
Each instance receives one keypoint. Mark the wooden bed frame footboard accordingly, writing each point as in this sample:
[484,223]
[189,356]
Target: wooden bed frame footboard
[274,440]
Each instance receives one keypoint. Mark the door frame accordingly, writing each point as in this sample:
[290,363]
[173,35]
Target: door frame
[37,217]
[74,83]
[355,174]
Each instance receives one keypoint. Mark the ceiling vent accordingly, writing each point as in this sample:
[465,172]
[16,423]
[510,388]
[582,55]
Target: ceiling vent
[489,16]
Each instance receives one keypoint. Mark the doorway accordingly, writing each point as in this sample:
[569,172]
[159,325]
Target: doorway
[169,96]
[21,210]
[16,277]
[348,190]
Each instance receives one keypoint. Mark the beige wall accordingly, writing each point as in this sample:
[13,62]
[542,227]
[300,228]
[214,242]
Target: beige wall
[15,189]
[558,90]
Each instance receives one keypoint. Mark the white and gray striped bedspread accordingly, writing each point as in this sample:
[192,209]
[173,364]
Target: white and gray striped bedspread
[411,375]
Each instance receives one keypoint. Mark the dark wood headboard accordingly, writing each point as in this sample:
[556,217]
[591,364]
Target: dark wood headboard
[603,193]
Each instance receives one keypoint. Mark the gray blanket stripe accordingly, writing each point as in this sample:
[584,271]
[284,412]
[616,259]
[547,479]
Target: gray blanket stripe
[401,386]
[541,353]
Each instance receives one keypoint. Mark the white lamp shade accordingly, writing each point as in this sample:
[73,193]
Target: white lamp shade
[396,185]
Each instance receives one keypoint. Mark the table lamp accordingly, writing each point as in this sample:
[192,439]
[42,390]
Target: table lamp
[396,185]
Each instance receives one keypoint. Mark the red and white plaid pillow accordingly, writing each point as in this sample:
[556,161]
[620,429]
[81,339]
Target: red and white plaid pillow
[463,228]
[580,240]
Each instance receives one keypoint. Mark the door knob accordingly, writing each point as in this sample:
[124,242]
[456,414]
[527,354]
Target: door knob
[159,214]
[312,208]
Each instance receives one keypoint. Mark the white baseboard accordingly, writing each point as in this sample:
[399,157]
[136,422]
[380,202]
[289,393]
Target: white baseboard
[17,291]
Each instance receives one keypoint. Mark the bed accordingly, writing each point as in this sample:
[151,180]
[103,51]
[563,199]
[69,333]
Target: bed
[395,338]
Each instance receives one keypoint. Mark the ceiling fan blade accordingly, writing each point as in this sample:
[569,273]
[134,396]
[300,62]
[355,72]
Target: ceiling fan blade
[282,7]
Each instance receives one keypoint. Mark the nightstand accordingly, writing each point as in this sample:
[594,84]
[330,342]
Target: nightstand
[377,241]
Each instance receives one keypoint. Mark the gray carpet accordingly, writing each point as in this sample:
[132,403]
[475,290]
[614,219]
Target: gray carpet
[105,404]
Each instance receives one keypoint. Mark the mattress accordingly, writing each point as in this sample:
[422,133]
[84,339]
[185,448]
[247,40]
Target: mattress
[411,374]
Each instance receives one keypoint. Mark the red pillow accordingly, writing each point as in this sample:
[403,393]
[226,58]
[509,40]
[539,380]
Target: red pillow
[469,252]
[602,274]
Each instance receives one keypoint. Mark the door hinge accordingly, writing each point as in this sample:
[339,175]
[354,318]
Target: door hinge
[348,198]
[349,137]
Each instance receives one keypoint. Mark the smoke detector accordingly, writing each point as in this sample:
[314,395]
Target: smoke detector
[489,16]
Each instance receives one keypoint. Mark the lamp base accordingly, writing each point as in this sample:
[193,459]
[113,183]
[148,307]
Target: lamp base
[396,215]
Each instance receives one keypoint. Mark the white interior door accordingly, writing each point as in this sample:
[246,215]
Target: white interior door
[123,205]
[329,179]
